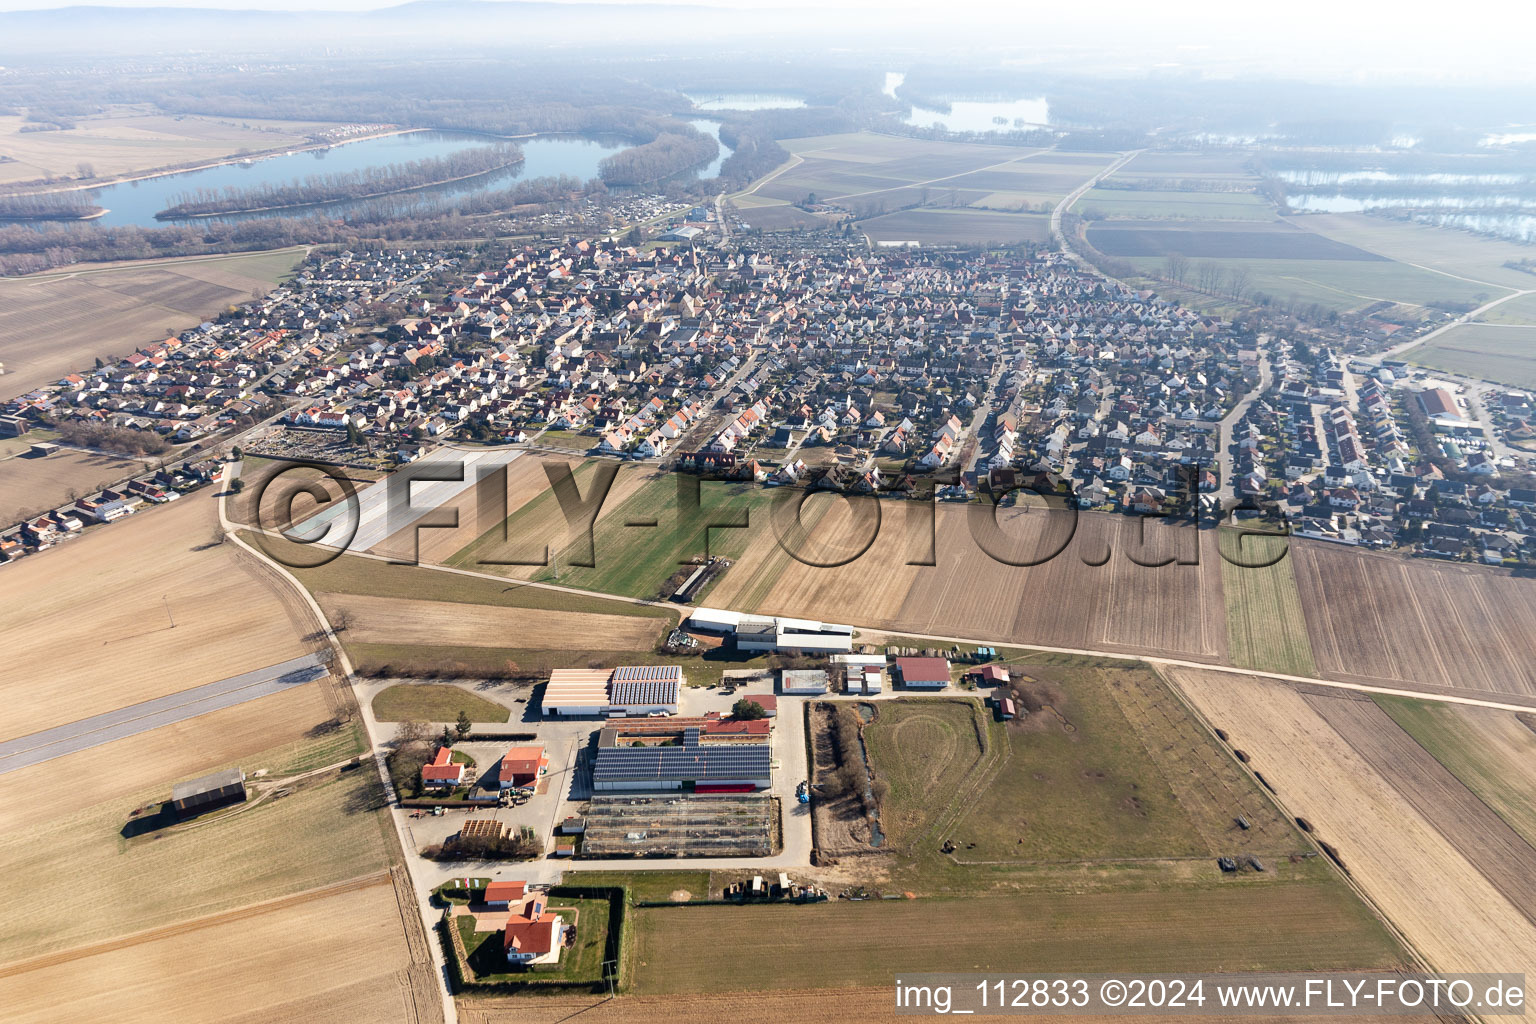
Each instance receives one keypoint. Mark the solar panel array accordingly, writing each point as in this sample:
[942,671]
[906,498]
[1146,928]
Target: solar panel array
[644,685]
[625,673]
[688,763]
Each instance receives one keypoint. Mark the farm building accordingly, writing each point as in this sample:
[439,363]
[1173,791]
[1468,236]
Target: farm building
[1006,709]
[767,701]
[645,689]
[863,679]
[705,754]
[922,673]
[761,633]
[808,682]
[441,772]
[989,675]
[522,766]
[208,792]
[501,895]
[627,690]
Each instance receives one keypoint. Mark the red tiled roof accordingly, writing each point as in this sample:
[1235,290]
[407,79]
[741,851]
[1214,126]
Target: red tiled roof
[523,761]
[505,892]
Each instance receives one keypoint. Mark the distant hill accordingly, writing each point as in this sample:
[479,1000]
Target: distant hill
[436,24]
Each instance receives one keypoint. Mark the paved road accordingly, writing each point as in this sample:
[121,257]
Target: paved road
[1224,436]
[1059,236]
[152,714]
[1465,318]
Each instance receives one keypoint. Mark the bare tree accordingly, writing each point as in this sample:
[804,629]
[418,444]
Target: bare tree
[1237,282]
[1176,268]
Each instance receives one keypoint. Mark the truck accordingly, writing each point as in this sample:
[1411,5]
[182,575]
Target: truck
[803,792]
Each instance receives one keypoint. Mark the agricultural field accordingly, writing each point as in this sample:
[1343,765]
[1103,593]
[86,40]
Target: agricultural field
[142,608]
[1418,624]
[1124,204]
[1443,250]
[433,702]
[1505,353]
[29,486]
[1223,241]
[353,574]
[386,620]
[55,323]
[1521,309]
[1336,284]
[1266,628]
[927,753]
[335,954]
[527,481]
[535,528]
[1194,186]
[1461,922]
[863,164]
[328,829]
[958,227]
[1091,595]
[1486,840]
[1280,927]
[852,1005]
[1492,752]
[1105,764]
[634,557]
[123,142]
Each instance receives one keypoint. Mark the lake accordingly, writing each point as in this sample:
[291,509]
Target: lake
[137,202]
[974,115]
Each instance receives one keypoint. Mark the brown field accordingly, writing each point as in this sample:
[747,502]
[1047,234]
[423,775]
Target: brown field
[1174,610]
[1417,623]
[784,1006]
[1484,838]
[526,479]
[1442,904]
[385,620]
[337,955]
[958,227]
[53,324]
[93,618]
[30,486]
[124,142]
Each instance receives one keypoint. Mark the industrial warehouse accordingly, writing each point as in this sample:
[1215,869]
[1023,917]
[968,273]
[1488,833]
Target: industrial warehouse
[630,690]
[780,634]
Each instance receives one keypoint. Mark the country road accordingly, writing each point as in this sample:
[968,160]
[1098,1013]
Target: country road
[1071,198]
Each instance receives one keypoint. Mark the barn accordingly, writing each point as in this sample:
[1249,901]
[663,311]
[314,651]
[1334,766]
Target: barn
[923,673]
[209,792]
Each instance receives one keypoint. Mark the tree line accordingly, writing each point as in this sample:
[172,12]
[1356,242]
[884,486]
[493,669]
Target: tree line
[669,153]
[367,182]
[47,206]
